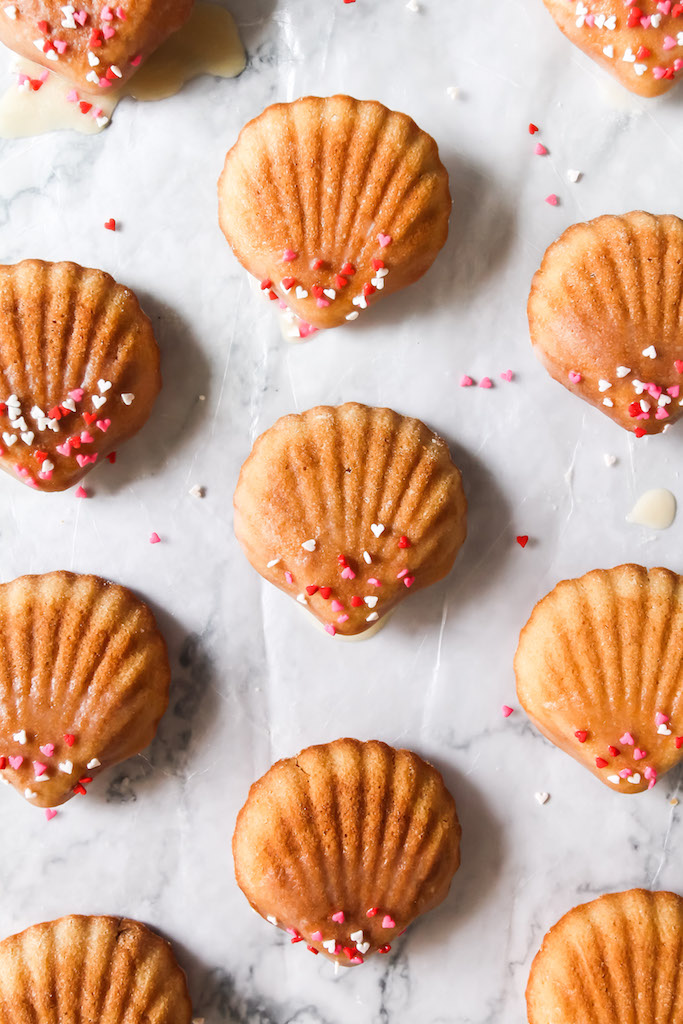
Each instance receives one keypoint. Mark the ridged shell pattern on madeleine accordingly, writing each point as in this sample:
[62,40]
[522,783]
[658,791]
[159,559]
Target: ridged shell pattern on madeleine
[96,48]
[615,959]
[331,203]
[345,845]
[79,370]
[84,680]
[349,509]
[606,316]
[83,970]
[599,671]
[641,45]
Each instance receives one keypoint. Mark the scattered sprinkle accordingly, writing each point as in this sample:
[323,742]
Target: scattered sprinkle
[155,539]
[506,710]
[523,540]
[542,798]
[110,224]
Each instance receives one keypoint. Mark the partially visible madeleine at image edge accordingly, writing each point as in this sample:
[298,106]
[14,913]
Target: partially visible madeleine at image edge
[349,510]
[79,370]
[599,671]
[331,203]
[614,960]
[344,845]
[606,316]
[81,970]
[84,680]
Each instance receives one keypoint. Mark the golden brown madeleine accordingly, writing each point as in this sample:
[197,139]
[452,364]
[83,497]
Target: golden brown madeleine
[84,680]
[345,845]
[79,370]
[83,970]
[606,316]
[96,46]
[639,45]
[349,510]
[600,672]
[615,959]
[330,203]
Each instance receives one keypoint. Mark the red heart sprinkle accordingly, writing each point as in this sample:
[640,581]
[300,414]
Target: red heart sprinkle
[3,763]
[339,281]
[89,417]
[643,53]
[85,107]
[317,291]
[110,224]
[348,269]
[522,541]
[3,408]
[288,282]
[614,751]
[55,413]
[581,735]
[325,592]
[384,949]
[75,442]
[378,264]
[84,781]
[41,456]
[265,285]
[317,264]
[69,739]
[403,542]
[634,409]
[44,27]
[311,591]
[678,363]
[79,789]
[312,949]
[356,602]
[369,289]
[679,742]
[372,912]
[532,129]
[639,432]
[676,10]
[111,457]
[600,762]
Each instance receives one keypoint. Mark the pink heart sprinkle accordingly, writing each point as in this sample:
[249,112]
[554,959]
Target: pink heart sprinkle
[661,413]
[508,375]
[664,6]
[76,394]
[645,22]
[50,813]
[342,618]
[374,582]
[540,149]
[466,382]
[590,20]
[155,538]
[86,438]
[48,749]
[575,377]
[388,922]
[107,14]
[45,474]
[59,45]
[678,64]
[81,17]
[652,782]
[305,330]
[81,492]
[338,917]
[409,580]
[16,762]
[136,60]
[552,199]
[108,33]
[348,573]
[104,425]
[485,382]
[653,390]
[669,43]
[661,719]
[639,754]
[507,711]
[625,772]
[336,606]
[72,96]
[329,628]
[104,83]
[121,14]
[82,460]
[384,240]
[659,73]
[674,391]
[39,768]
[289,256]
[648,772]
[317,936]
[627,738]
[322,303]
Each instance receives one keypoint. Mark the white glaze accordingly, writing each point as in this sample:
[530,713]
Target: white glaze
[655,509]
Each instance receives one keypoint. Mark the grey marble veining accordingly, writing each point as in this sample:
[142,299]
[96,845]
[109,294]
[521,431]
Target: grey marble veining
[252,681]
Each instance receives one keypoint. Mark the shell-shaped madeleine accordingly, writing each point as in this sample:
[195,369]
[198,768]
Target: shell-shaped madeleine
[606,316]
[616,958]
[638,44]
[121,36]
[349,509]
[84,680]
[346,844]
[331,203]
[83,970]
[79,370]
[599,671]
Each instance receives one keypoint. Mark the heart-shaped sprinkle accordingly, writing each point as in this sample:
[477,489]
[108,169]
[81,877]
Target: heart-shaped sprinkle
[574,377]
[639,754]
[98,401]
[15,761]
[384,240]
[330,945]
[47,749]
[627,739]
[377,529]
[338,917]
[69,739]
[634,779]
[127,399]
[388,922]
[50,813]
[66,767]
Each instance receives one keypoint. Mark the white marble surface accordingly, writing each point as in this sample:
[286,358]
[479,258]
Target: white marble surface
[252,680]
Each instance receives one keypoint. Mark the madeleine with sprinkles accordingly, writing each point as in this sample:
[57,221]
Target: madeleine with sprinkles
[606,317]
[331,204]
[79,371]
[97,46]
[84,680]
[349,510]
[343,846]
[599,673]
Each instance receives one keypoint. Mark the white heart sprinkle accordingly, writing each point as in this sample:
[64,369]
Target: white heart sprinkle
[378,283]
[382,272]
[27,437]
[610,460]
[362,947]
[623,371]
[608,51]
[330,293]
[629,56]
[352,316]
[614,778]
[42,778]
[309,545]
[655,20]
[356,936]
[101,121]
[371,601]
[20,737]
[93,77]
[599,20]
[330,945]
[453,92]
[608,402]
[37,413]
[66,767]
[372,617]
[604,385]
[650,352]
[573,175]
[103,385]
[377,529]
[47,466]
[664,400]
[274,561]
[640,69]
[115,70]
[13,400]
[20,424]
[638,386]
[301,293]
[11,13]
[542,798]
[9,439]
[29,794]
[69,403]
[644,405]
[611,23]
[367,558]
[93,59]
[301,598]
[94,763]
[663,730]
[634,779]
[98,401]
[360,301]
[271,919]
[127,399]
